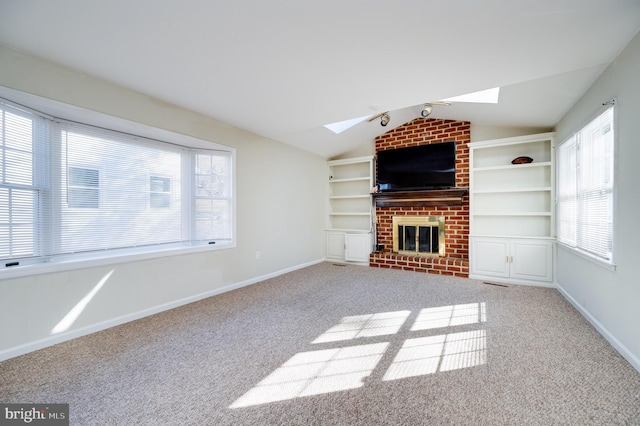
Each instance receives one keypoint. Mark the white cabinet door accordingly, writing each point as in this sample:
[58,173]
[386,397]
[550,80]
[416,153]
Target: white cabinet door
[489,257]
[515,260]
[335,245]
[531,260]
[357,247]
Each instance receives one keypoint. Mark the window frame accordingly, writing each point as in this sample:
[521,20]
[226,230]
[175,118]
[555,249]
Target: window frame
[38,264]
[574,245]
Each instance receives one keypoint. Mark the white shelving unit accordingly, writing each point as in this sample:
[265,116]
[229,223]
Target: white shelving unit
[512,210]
[349,224]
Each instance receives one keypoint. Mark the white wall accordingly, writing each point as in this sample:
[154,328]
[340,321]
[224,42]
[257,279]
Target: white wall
[611,300]
[280,212]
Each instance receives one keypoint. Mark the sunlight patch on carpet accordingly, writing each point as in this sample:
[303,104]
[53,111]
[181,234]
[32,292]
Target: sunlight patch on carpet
[358,326]
[449,316]
[343,368]
[314,373]
[445,352]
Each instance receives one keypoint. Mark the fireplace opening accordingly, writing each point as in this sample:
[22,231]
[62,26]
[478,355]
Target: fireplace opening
[419,235]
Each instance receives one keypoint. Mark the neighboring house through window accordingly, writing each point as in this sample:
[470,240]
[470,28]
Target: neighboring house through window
[159,192]
[83,188]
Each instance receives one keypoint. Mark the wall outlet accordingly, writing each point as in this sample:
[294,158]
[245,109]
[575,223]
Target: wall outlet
[258,254]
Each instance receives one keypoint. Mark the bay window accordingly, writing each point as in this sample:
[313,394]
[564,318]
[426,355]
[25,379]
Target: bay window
[70,189]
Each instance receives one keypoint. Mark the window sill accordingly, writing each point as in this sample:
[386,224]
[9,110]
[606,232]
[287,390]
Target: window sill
[602,263]
[80,261]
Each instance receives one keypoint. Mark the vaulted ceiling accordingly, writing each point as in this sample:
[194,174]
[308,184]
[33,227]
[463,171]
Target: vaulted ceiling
[285,68]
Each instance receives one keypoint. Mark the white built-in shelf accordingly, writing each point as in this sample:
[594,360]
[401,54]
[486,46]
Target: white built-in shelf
[514,236]
[512,199]
[349,186]
[513,166]
[345,230]
[346,197]
[510,190]
[499,213]
[350,180]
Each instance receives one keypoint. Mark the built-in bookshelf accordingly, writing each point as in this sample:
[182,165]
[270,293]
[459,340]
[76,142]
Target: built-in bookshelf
[349,222]
[512,204]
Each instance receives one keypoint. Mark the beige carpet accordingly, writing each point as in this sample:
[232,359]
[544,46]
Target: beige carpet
[342,345]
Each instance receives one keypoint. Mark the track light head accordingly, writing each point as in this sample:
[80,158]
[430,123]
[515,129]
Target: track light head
[384,119]
[426,111]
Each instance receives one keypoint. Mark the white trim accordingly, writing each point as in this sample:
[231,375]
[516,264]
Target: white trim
[512,281]
[617,345]
[60,111]
[65,336]
[593,259]
[100,258]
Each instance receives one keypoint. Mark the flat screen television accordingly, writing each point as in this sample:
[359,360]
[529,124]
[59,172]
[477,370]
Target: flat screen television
[420,167]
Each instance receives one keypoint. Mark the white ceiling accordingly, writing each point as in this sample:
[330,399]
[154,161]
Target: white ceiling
[284,68]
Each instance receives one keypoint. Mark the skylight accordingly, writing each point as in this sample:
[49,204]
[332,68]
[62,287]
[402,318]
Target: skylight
[489,96]
[341,126]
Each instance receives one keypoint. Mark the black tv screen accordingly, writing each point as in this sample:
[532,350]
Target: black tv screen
[418,167]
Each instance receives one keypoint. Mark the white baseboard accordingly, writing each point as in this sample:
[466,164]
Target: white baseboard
[619,346]
[65,336]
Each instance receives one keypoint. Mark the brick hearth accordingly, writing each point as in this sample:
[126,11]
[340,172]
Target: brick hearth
[420,132]
[432,265]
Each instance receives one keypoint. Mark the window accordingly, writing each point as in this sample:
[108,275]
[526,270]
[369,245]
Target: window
[68,188]
[212,196]
[83,188]
[585,188]
[160,192]
[22,185]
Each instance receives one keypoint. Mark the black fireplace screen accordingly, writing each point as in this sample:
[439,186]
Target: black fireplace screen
[425,238]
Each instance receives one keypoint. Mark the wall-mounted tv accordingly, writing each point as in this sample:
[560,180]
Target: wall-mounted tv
[414,168]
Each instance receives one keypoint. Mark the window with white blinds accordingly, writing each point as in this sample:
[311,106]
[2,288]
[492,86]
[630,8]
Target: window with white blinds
[24,185]
[68,188]
[585,175]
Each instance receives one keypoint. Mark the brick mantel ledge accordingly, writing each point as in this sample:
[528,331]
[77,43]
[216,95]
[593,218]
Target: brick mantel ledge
[422,198]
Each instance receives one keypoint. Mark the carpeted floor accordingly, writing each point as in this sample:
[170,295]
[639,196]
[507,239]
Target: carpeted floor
[342,345]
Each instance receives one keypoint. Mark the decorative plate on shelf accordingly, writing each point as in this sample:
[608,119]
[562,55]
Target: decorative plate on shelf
[522,160]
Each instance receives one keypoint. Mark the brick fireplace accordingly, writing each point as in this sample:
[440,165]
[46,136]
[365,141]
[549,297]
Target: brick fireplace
[454,259]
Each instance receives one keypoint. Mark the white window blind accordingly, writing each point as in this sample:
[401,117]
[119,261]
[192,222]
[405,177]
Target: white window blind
[585,188]
[68,188]
[567,192]
[112,171]
[212,196]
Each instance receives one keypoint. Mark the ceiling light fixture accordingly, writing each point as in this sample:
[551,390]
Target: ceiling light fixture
[383,116]
[426,111]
